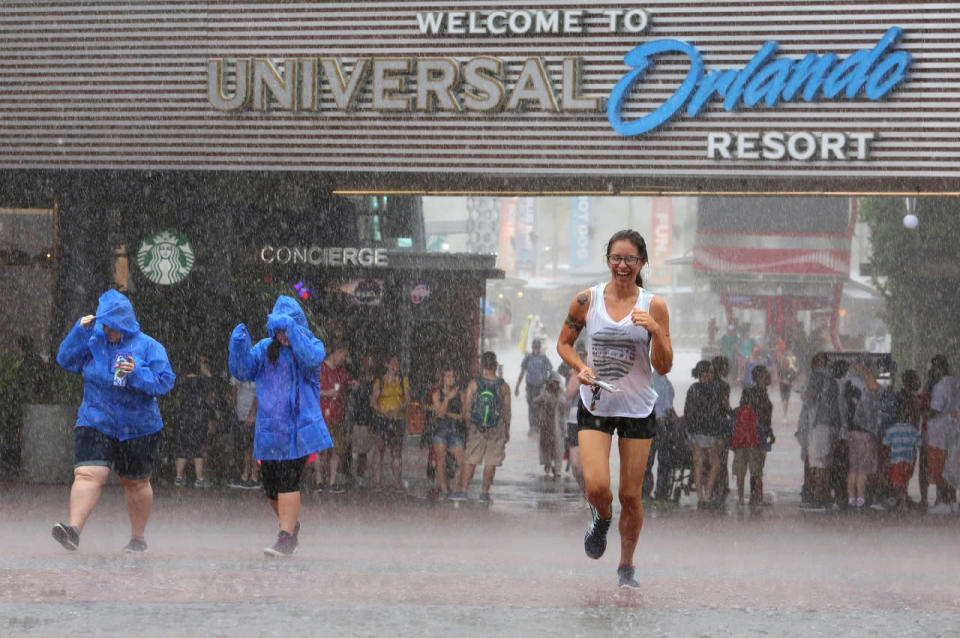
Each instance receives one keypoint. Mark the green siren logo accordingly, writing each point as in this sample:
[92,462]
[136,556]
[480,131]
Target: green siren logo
[165,257]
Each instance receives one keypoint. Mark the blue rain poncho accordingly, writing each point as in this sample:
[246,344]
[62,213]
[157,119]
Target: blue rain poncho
[289,419]
[120,407]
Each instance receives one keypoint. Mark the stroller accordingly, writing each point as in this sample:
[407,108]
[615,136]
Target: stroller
[674,459]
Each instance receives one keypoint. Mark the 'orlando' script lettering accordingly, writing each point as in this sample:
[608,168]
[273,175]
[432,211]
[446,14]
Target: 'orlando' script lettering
[874,71]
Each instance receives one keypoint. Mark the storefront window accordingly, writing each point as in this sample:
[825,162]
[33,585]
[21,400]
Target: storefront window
[26,274]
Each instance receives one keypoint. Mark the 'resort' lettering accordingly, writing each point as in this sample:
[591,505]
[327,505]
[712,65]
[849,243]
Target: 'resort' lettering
[800,146]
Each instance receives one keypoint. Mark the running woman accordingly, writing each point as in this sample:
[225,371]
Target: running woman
[628,329]
[118,424]
[289,427]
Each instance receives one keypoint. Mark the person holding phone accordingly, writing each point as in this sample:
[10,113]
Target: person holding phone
[118,423]
[627,332]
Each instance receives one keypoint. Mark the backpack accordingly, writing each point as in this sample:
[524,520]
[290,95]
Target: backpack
[745,430]
[487,404]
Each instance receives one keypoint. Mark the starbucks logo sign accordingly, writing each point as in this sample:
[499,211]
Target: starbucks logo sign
[165,257]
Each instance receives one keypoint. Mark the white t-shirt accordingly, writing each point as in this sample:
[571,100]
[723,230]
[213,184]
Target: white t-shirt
[246,393]
[943,400]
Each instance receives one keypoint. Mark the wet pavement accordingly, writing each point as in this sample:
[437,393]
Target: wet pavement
[384,564]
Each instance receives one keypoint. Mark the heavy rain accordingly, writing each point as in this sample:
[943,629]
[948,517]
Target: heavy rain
[386,319]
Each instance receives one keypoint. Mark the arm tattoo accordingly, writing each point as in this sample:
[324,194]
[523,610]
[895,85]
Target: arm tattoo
[583,298]
[574,324]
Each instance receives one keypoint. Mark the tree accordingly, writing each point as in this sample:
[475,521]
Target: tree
[918,273]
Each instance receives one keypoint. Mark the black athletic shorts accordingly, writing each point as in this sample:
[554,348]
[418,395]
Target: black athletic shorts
[281,477]
[624,427]
[130,459]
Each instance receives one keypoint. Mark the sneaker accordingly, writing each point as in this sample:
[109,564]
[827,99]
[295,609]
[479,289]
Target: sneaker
[336,488]
[178,482]
[942,508]
[485,498]
[285,546]
[136,545]
[201,484]
[239,484]
[67,535]
[595,540]
[318,488]
[458,496]
[253,484]
[627,576]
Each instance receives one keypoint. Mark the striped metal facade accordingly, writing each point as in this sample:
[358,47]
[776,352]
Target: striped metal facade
[124,85]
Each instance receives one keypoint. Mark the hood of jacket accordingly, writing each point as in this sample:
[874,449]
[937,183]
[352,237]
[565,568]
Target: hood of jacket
[115,311]
[288,306]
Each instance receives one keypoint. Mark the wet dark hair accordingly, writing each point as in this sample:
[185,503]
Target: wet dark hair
[488,361]
[634,238]
[701,369]
[911,377]
[719,363]
[757,372]
[939,362]
[273,350]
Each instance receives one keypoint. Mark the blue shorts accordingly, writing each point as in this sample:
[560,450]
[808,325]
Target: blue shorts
[130,459]
[447,435]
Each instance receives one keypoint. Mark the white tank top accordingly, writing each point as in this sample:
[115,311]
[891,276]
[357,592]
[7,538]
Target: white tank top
[618,352]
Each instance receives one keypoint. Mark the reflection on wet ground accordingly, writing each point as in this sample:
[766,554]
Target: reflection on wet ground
[377,564]
[387,564]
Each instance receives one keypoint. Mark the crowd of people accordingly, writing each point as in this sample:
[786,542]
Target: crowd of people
[300,412]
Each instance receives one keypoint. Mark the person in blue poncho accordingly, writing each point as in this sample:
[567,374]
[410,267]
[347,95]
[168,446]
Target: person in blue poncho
[289,426]
[118,423]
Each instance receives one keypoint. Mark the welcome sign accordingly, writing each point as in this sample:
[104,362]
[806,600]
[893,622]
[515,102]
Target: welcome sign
[618,96]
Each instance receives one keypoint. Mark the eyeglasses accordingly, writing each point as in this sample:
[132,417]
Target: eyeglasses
[631,260]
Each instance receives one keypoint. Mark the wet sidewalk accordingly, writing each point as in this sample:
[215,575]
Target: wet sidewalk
[388,564]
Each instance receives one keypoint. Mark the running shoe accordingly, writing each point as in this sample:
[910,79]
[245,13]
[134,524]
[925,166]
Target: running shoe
[485,498]
[178,482]
[285,546]
[595,540]
[202,484]
[336,488]
[239,484]
[627,576]
[458,496]
[136,545]
[67,535]
[253,484]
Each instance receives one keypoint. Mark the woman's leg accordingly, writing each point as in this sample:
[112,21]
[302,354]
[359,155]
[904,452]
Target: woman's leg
[713,458]
[198,467]
[575,465]
[396,459]
[288,510]
[861,486]
[698,472]
[460,456]
[88,482]
[139,495]
[440,454]
[595,457]
[633,467]
[181,467]
[376,461]
[741,479]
